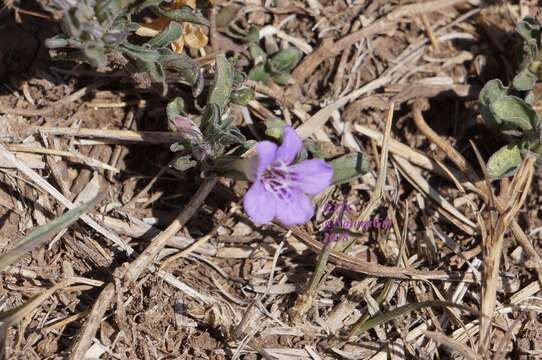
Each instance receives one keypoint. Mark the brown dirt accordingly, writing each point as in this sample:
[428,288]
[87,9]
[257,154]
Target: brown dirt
[153,319]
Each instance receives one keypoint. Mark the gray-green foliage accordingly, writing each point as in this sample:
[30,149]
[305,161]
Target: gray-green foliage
[98,31]
[278,67]
[509,110]
[206,137]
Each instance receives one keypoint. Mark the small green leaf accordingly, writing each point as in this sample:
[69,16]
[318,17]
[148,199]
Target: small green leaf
[233,30]
[184,163]
[258,73]
[504,162]
[230,136]
[285,61]
[524,80]
[223,82]
[274,128]
[156,71]
[512,113]
[185,14]
[140,53]
[186,67]
[60,41]
[175,108]
[253,35]
[178,146]
[170,34]
[530,98]
[529,29]
[348,167]
[211,120]
[258,55]
[242,96]
[492,91]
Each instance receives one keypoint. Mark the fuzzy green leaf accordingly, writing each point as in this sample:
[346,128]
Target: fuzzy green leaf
[185,14]
[529,29]
[242,96]
[186,67]
[140,53]
[223,82]
[504,162]
[492,91]
[348,167]
[175,108]
[258,73]
[170,34]
[274,128]
[512,113]
[184,163]
[285,61]
[524,80]
[258,55]
[210,121]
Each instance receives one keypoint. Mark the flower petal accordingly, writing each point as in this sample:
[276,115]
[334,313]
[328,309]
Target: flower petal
[291,145]
[266,154]
[297,210]
[178,45]
[311,176]
[194,37]
[259,204]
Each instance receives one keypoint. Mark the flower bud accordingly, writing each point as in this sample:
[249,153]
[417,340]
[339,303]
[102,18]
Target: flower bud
[188,130]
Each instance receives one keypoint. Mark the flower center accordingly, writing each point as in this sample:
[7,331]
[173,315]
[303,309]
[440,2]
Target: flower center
[278,180]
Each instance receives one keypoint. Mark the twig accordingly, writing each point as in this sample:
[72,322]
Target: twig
[192,247]
[142,262]
[382,25]
[147,257]
[376,195]
[148,137]
[481,187]
[87,160]
[430,33]
[346,262]
[493,249]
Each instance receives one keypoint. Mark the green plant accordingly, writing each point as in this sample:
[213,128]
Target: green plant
[206,137]
[278,67]
[509,110]
[100,32]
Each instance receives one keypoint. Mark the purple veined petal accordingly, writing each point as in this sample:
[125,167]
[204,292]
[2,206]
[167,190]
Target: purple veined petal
[291,145]
[297,210]
[311,176]
[259,204]
[266,154]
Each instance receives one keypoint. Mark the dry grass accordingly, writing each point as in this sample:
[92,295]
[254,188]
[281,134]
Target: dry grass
[171,267]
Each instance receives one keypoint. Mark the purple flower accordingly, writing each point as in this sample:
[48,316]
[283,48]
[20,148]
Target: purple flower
[280,188]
